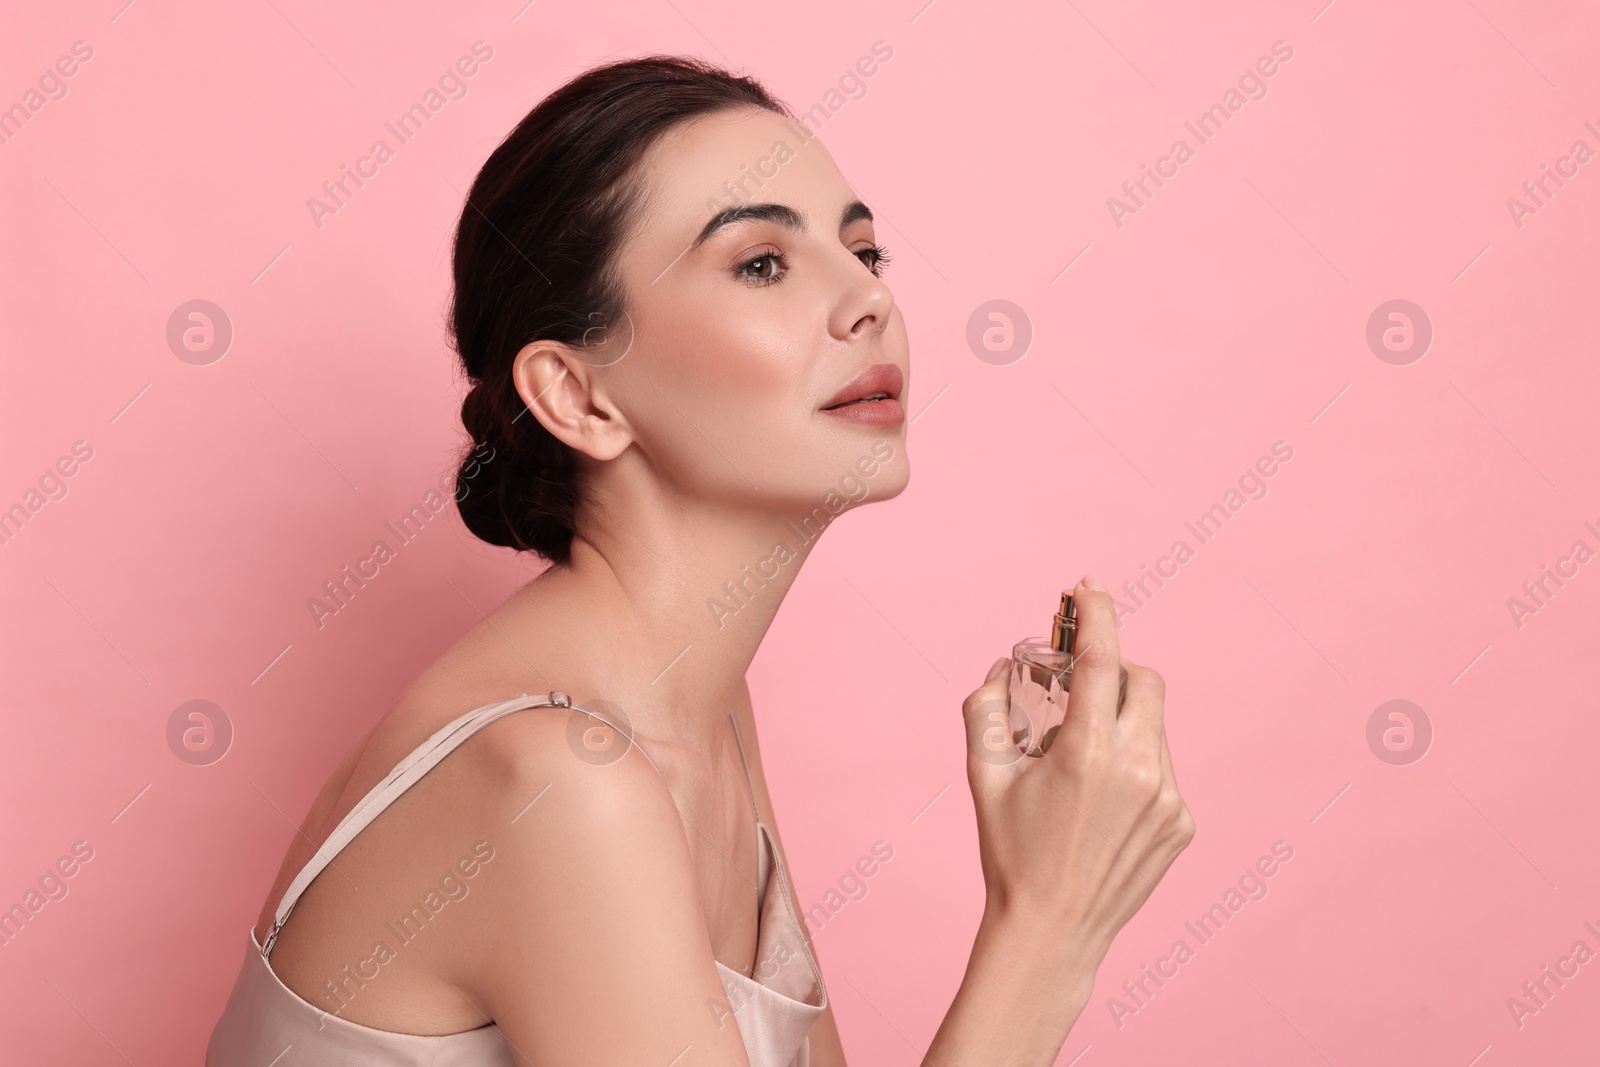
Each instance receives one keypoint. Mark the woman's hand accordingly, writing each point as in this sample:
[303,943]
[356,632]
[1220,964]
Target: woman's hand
[1074,841]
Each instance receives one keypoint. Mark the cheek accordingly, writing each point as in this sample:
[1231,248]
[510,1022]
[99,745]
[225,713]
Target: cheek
[741,353]
[745,377]
[716,344]
[725,403]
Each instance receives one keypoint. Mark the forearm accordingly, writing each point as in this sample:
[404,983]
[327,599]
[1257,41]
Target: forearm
[1018,1000]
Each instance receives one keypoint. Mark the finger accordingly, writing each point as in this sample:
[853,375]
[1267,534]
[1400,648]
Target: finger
[1096,661]
[991,745]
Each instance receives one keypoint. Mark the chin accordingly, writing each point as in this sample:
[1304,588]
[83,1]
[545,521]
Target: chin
[892,481]
[876,467]
[905,480]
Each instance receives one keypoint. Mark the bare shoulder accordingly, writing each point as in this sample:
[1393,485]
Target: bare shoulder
[600,951]
[563,761]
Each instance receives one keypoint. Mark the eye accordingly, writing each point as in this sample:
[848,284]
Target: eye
[775,258]
[874,257]
[880,259]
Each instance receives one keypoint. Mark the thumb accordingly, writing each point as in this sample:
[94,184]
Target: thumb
[991,745]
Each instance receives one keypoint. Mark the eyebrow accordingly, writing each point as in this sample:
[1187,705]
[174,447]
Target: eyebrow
[782,214]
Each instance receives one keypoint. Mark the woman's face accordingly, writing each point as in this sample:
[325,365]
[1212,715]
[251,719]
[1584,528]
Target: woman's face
[738,338]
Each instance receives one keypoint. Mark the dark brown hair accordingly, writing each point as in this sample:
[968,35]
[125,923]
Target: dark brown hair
[534,260]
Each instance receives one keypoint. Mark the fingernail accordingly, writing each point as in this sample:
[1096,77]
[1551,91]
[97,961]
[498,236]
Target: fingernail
[999,666]
[1091,582]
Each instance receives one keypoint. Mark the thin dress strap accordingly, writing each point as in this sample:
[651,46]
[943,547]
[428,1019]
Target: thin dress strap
[763,865]
[733,718]
[420,761]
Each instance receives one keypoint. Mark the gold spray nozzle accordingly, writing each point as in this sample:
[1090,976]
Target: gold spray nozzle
[1065,627]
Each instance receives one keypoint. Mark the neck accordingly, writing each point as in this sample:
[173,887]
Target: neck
[661,612]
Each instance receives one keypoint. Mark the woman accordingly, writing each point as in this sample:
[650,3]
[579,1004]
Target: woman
[680,346]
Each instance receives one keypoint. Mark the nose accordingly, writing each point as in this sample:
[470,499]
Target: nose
[864,306]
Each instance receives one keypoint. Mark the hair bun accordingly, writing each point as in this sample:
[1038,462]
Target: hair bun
[478,486]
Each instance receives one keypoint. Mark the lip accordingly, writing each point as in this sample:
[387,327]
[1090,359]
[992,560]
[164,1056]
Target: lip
[877,378]
[881,413]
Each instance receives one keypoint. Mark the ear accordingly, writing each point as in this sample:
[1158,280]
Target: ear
[561,389]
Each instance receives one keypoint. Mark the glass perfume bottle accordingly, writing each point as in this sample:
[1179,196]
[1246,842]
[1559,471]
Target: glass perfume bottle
[1041,674]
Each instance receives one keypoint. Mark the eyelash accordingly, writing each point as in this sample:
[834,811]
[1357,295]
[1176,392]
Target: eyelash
[880,259]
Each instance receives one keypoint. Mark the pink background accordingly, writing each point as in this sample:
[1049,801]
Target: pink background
[1227,314]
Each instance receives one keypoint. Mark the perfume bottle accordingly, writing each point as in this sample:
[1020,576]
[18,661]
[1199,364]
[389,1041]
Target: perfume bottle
[1041,674]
